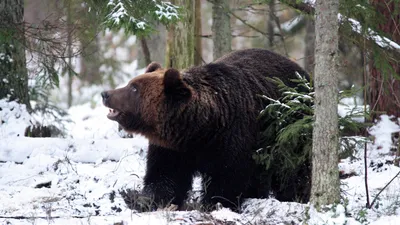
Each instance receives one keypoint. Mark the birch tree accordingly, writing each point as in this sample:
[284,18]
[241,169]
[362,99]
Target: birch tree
[325,174]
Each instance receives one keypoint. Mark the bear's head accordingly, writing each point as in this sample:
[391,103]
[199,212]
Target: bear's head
[147,101]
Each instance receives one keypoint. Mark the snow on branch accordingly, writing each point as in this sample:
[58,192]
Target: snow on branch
[384,42]
[166,10]
[275,102]
[137,18]
[308,7]
[119,15]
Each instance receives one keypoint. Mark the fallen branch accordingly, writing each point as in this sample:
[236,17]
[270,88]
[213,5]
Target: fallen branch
[376,197]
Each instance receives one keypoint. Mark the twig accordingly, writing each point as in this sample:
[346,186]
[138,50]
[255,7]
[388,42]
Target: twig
[247,24]
[365,145]
[376,197]
[301,6]
[199,54]
[366,174]
[278,24]
[236,35]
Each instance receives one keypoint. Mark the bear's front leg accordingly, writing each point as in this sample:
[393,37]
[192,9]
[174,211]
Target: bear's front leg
[167,181]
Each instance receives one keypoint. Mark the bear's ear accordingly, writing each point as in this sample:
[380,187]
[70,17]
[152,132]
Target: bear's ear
[174,85]
[152,67]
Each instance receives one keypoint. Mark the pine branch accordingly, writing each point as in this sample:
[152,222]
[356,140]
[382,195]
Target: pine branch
[370,41]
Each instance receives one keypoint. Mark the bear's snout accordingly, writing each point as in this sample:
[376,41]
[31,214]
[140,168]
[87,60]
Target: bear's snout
[105,95]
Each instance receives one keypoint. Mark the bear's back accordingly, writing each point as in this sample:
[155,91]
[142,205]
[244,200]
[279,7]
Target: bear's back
[245,71]
[263,62]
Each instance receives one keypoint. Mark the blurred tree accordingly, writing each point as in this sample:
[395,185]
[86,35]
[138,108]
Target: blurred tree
[155,44]
[270,24]
[221,28]
[69,51]
[310,47]
[145,50]
[180,43]
[198,32]
[13,72]
[137,17]
[325,173]
[374,29]
[385,84]
[90,59]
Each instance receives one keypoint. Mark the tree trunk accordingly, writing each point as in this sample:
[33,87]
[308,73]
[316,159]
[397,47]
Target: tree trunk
[310,47]
[221,28]
[145,50]
[270,24]
[156,44]
[90,59]
[198,60]
[13,72]
[90,62]
[325,174]
[385,88]
[69,52]
[180,49]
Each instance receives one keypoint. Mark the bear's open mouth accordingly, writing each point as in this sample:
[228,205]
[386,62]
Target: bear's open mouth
[113,114]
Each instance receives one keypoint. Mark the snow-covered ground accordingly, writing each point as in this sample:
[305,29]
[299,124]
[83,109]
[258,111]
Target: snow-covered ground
[75,180]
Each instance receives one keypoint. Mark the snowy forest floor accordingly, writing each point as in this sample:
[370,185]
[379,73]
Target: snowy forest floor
[75,180]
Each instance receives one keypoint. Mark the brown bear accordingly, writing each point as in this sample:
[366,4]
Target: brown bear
[202,120]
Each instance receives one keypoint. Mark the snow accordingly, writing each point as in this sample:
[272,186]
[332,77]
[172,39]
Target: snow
[119,12]
[166,10]
[311,2]
[382,132]
[13,119]
[352,107]
[372,35]
[77,179]
[289,25]
[378,39]
[275,102]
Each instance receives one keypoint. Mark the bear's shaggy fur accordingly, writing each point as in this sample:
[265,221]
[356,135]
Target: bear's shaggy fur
[202,120]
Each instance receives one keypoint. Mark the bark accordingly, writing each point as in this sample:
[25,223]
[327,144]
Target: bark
[197,29]
[310,47]
[221,28]
[90,63]
[87,33]
[156,44]
[146,51]
[385,88]
[325,174]
[180,49]
[13,72]
[69,52]
[270,24]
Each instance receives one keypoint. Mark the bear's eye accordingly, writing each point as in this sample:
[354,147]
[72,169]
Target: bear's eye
[133,88]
